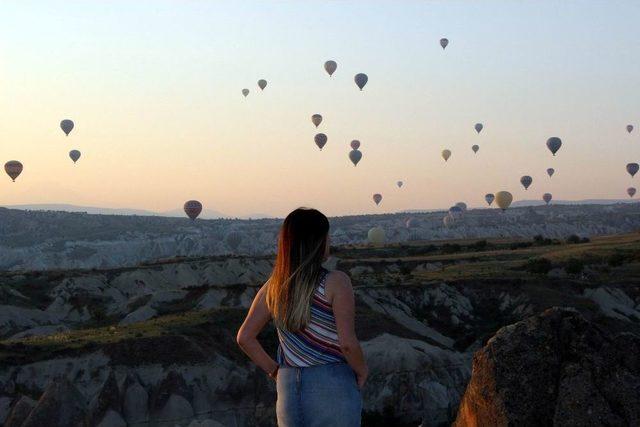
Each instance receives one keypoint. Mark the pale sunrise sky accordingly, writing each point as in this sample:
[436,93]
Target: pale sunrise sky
[154,88]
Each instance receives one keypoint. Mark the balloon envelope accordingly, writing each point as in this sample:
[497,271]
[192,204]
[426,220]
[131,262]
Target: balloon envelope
[376,236]
[632,168]
[316,119]
[553,144]
[320,140]
[355,156]
[399,184]
[262,84]
[192,208]
[629,128]
[455,212]
[444,42]
[631,191]
[446,154]
[330,67]
[74,155]
[478,127]
[245,92]
[503,199]
[475,148]
[361,79]
[377,198]
[489,198]
[67,126]
[355,144]
[13,168]
[462,205]
[547,197]
[551,171]
[526,181]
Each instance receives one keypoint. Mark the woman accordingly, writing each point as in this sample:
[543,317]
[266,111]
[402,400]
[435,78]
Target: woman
[320,368]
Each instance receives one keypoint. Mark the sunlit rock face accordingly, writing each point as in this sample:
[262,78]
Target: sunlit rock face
[555,368]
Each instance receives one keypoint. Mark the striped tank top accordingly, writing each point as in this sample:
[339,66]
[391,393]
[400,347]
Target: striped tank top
[316,343]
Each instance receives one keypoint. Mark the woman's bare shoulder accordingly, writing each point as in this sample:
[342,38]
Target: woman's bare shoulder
[338,281]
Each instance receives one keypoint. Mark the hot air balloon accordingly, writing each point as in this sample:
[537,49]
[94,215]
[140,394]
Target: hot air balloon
[399,184]
[262,84]
[355,156]
[553,144]
[444,42]
[74,155]
[192,208]
[629,128]
[355,144]
[489,198]
[233,240]
[316,119]
[67,126]
[361,79]
[245,92]
[475,148]
[330,67]
[632,168]
[462,205]
[550,172]
[456,212]
[13,168]
[320,139]
[446,154]
[547,197]
[377,198]
[376,236]
[503,199]
[526,181]
[448,220]
[478,127]
[631,191]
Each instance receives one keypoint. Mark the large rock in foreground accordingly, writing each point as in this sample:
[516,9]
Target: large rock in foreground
[557,369]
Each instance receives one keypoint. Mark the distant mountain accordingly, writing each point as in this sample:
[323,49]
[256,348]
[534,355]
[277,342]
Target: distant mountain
[522,203]
[88,209]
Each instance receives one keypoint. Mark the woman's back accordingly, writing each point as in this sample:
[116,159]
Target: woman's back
[317,342]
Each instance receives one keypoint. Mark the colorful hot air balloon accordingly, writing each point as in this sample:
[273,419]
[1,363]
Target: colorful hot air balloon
[74,155]
[245,92]
[316,119]
[355,144]
[330,67]
[233,240]
[553,144]
[632,168]
[550,172]
[475,148]
[631,191]
[262,84]
[361,79]
[13,168]
[446,154]
[547,197]
[478,127]
[67,126]
[629,128]
[489,198]
[503,199]
[526,181]
[376,236]
[320,140]
[355,156]
[377,198]
[192,208]
[399,184]
[444,42]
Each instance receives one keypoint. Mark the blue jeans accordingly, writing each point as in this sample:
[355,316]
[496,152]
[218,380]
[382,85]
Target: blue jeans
[318,396]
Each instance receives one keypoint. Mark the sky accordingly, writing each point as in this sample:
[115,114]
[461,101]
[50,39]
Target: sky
[154,88]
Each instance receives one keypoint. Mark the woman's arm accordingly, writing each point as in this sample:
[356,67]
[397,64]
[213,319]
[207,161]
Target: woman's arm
[340,293]
[247,338]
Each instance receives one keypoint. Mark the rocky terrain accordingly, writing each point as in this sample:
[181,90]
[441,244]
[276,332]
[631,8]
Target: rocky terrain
[155,344]
[37,240]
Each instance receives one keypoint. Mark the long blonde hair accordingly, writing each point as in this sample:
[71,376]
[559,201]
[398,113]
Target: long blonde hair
[301,247]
